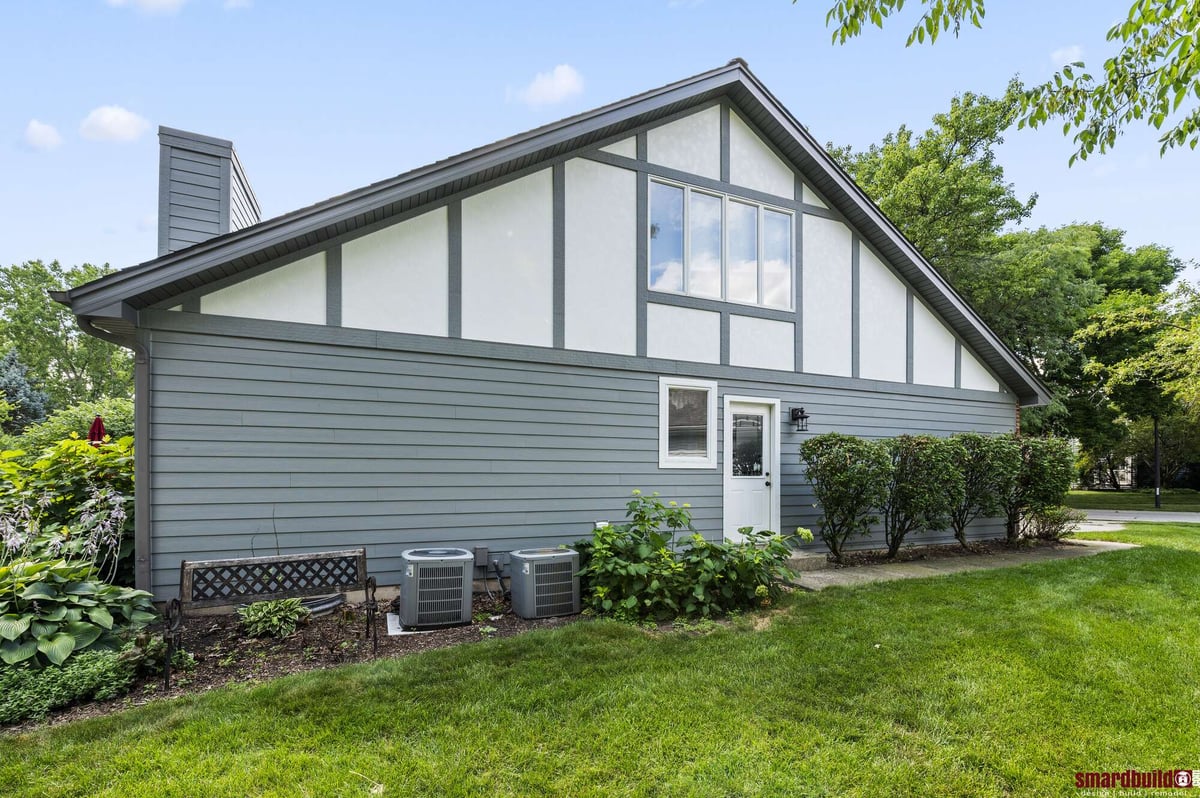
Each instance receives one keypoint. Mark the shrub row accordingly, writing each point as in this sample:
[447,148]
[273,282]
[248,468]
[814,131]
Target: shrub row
[918,482]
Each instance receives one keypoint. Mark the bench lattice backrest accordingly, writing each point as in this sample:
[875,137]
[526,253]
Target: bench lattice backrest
[214,582]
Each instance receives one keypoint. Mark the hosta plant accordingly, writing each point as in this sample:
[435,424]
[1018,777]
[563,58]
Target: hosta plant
[52,610]
[277,618]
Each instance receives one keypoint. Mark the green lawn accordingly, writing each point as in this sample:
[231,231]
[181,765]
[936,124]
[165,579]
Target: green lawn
[1177,500]
[989,683]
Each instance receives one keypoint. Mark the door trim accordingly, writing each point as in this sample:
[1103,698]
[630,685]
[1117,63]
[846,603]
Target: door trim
[772,406]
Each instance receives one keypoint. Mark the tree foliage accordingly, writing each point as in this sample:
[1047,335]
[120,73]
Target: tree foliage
[24,404]
[944,188]
[70,365]
[1153,77]
[75,421]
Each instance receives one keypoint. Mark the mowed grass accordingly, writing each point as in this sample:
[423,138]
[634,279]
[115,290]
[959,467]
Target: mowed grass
[1174,500]
[990,683]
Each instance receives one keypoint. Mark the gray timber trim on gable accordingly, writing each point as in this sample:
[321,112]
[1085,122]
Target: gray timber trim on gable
[798,277]
[724,358]
[390,341]
[558,202]
[719,306]
[909,335]
[958,347]
[700,181]
[333,286]
[855,305]
[642,205]
[161,279]
[454,283]
[724,105]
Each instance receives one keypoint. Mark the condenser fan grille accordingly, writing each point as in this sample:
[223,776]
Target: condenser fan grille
[554,588]
[440,595]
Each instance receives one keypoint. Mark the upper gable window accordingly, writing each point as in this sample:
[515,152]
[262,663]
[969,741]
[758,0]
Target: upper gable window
[711,245]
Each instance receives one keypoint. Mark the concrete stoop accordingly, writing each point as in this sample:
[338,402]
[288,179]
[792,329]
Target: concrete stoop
[802,561]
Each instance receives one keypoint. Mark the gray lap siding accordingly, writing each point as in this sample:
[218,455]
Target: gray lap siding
[263,446]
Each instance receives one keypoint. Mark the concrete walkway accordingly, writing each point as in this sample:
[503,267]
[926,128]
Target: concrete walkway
[1109,520]
[861,575]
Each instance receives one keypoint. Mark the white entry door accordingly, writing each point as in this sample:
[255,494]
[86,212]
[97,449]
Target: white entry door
[751,465]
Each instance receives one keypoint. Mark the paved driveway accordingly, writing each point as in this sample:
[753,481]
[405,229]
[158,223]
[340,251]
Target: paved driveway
[1108,520]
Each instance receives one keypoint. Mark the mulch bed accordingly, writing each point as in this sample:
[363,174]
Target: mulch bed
[225,655]
[854,559]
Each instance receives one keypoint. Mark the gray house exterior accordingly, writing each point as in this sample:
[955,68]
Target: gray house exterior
[496,349]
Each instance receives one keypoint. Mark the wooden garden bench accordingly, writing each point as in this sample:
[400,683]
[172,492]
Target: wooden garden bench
[214,583]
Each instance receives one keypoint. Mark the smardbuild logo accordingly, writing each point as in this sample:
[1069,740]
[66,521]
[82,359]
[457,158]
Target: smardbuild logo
[1138,779]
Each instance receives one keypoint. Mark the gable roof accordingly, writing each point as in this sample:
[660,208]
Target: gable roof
[159,280]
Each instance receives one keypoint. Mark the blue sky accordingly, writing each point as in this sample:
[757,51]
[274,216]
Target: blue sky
[322,97]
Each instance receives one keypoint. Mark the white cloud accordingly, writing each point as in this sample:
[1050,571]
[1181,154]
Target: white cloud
[113,123]
[150,6]
[547,88]
[41,136]
[1067,55]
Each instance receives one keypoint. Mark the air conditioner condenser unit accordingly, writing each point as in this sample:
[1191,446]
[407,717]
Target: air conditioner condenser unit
[544,582]
[435,587]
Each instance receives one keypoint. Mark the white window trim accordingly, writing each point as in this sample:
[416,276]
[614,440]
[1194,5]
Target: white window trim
[761,207]
[665,384]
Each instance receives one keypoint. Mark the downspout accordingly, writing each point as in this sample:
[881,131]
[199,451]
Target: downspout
[141,448]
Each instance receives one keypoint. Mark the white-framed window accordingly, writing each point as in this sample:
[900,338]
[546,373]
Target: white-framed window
[712,245]
[687,423]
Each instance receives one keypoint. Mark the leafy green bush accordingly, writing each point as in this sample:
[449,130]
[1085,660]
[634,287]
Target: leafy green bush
[986,462]
[636,570]
[73,502]
[1047,466]
[52,610]
[849,477]
[75,421]
[30,693]
[923,484]
[277,618]
[1053,523]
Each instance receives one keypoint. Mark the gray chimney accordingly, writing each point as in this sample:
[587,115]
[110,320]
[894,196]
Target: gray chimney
[202,190]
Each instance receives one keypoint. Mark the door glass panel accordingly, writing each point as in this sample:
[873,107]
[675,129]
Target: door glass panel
[687,422]
[666,237]
[747,445]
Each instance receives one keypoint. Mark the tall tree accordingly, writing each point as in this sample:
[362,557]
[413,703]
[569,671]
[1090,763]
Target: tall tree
[1153,77]
[22,402]
[944,187]
[71,366]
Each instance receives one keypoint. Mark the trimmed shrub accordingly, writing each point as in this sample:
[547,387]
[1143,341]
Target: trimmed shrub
[986,462]
[1047,466]
[31,693]
[75,421]
[923,485]
[1053,523]
[849,477]
[636,570]
[276,618]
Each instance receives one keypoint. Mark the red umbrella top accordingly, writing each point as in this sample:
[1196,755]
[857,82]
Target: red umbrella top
[96,433]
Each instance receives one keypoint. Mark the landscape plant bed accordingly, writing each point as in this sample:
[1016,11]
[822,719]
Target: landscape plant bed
[855,559]
[225,654]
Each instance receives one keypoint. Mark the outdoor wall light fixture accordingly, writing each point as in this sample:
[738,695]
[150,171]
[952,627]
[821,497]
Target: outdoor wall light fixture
[800,418]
